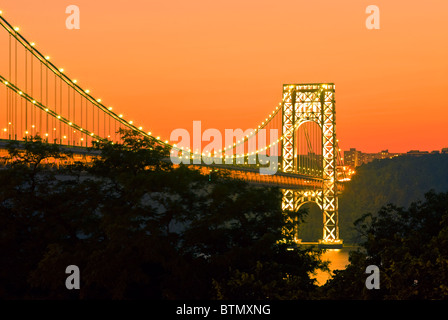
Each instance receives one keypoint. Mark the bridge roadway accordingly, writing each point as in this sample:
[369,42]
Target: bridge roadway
[249,174]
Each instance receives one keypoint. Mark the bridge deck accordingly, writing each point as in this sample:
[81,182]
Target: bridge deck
[251,175]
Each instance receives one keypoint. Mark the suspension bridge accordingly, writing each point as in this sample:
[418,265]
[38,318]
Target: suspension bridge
[296,143]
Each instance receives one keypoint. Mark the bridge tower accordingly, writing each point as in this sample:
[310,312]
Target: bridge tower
[303,103]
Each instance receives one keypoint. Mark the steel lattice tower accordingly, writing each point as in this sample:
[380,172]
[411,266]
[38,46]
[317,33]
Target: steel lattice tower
[303,103]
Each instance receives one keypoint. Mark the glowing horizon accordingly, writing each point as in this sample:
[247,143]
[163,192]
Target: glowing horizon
[225,63]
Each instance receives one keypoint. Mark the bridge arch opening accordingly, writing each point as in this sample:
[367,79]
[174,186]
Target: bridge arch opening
[310,227]
[308,149]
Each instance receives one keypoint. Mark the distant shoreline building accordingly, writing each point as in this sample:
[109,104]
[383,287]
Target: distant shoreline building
[416,153]
[355,158]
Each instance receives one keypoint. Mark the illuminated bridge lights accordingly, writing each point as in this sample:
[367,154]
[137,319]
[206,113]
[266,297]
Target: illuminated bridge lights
[300,103]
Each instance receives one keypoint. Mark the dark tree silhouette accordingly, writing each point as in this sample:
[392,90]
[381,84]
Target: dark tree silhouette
[410,246]
[139,227]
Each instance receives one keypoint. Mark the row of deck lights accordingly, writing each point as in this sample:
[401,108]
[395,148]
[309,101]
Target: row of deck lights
[98,103]
[87,92]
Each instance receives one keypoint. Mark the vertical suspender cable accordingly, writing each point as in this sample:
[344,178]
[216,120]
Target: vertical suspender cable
[8,95]
[46,100]
[54,124]
[81,135]
[33,109]
[16,124]
[110,133]
[41,99]
[74,116]
[87,120]
[93,120]
[98,120]
[69,134]
[26,90]
[61,134]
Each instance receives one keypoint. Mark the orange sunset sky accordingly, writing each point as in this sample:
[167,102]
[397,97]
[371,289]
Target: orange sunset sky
[165,64]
